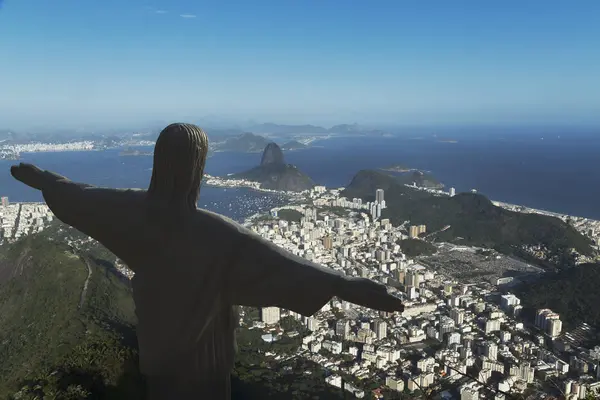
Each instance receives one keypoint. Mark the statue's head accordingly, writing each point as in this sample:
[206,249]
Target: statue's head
[179,159]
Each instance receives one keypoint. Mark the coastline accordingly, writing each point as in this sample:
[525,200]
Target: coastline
[227,183]
[585,226]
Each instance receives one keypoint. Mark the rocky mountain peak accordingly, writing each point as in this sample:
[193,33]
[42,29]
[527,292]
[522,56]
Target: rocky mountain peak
[272,155]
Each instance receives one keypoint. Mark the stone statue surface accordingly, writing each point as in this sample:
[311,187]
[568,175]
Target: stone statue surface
[192,266]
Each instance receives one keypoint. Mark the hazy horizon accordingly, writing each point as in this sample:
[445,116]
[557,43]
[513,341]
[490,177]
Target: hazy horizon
[442,130]
[111,64]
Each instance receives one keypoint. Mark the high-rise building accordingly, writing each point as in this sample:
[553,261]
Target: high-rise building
[446,325]
[548,321]
[457,315]
[490,350]
[5,202]
[342,328]
[413,231]
[312,324]
[379,195]
[554,327]
[270,315]
[328,242]
[453,338]
[452,192]
[380,329]
[412,278]
[507,301]
[491,325]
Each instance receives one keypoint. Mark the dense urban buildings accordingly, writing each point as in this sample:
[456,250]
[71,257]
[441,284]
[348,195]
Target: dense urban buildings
[460,331]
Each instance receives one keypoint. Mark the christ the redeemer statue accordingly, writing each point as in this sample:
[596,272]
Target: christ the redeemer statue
[192,266]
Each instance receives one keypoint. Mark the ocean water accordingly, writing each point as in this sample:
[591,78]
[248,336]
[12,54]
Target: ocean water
[108,169]
[547,169]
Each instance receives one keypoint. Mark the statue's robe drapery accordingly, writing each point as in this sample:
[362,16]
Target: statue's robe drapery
[190,269]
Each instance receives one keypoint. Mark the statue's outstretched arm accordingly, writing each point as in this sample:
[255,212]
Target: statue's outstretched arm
[35,177]
[97,212]
[267,275]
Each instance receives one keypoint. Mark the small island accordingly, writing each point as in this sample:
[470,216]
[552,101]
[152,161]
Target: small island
[131,152]
[293,145]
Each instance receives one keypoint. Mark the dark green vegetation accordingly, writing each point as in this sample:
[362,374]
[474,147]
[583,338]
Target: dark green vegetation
[409,176]
[472,218]
[290,215]
[274,174]
[415,247]
[263,378]
[572,293]
[47,340]
[335,210]
[52,349]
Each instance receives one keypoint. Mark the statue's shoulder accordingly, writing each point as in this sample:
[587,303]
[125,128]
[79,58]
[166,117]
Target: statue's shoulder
[216,230]
[115,194]
[214,219]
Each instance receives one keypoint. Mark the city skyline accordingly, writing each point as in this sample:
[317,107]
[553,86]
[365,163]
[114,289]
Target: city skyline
[110,63]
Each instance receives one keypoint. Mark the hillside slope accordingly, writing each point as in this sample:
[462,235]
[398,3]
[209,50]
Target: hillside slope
[572,293]
[472,218]
[51,328]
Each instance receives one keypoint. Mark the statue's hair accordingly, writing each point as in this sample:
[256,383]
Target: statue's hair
[179,158]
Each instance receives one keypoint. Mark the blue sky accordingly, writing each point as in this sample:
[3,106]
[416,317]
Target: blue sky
[113,62]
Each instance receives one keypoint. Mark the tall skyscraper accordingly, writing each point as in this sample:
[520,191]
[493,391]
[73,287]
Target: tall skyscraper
[5,202]
[379,195]
[452,192]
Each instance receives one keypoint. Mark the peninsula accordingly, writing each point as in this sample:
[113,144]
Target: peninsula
[293,145]
[273,173]
[132,152]
[412,176]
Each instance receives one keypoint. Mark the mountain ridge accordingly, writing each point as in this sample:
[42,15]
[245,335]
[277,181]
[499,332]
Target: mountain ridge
[473,218]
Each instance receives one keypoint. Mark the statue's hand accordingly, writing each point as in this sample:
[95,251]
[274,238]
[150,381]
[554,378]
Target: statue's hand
[368,293]
[29,174]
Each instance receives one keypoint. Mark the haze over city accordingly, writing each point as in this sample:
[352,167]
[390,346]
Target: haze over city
[110,63]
